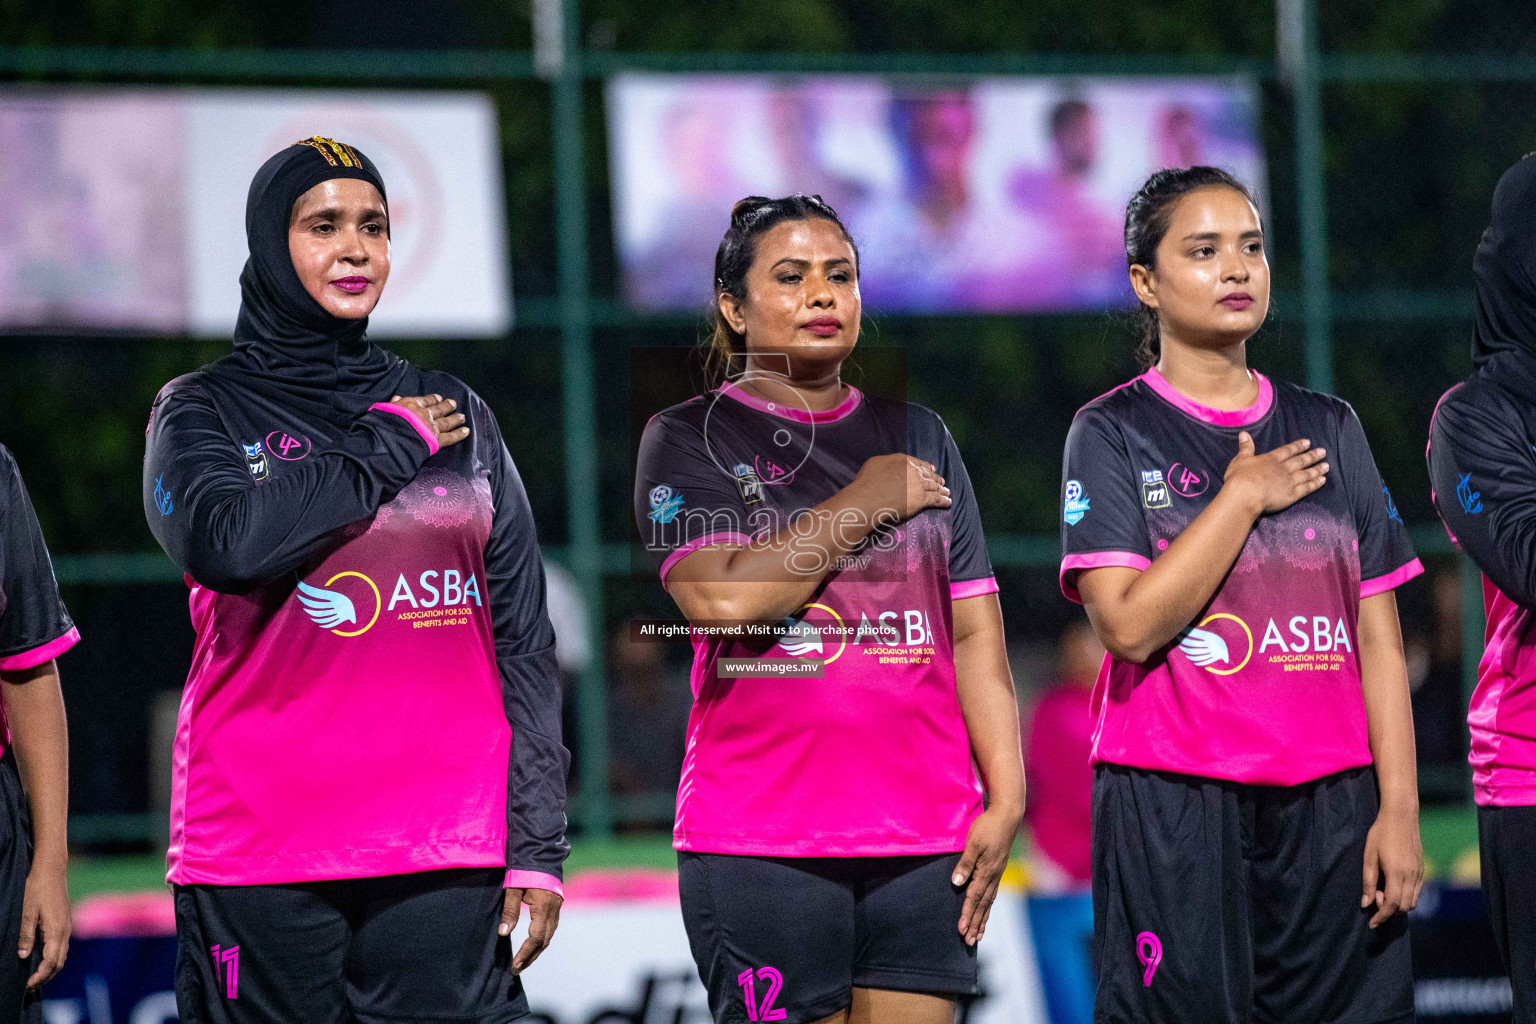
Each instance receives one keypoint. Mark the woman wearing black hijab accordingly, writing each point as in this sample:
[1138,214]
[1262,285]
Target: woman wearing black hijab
[1482,468]
[368,750]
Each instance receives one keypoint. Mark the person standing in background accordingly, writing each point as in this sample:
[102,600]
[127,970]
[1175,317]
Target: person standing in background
[1082,265]
[573,653]
[935,242]
[35,629]
[1056,762]
[1482,474]
[649,700]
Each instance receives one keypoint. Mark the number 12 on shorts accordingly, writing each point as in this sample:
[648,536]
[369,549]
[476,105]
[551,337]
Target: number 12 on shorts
[763,1011]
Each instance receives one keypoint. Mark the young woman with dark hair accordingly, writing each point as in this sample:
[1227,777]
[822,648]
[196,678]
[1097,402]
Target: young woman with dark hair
[1255,818]
[35,629]
[836,862]
[368,776]
[1482,474]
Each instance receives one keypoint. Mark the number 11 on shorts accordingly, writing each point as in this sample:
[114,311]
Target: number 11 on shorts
[765,1010]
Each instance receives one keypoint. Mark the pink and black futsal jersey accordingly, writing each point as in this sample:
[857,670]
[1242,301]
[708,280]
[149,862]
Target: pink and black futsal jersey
[373,689]
[873,758]
[34,625]
[1264,688]
[1482,469]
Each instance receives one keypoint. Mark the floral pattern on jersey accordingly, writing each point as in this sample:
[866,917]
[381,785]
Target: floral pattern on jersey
[485,505]
[1163,526]
[922,541]
[1309,538]
[439,498]
[1254,554]
[382,516]
[377,521]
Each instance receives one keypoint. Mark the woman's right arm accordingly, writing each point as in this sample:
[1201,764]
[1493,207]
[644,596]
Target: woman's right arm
[773,577]
[231,533]
[1138,611]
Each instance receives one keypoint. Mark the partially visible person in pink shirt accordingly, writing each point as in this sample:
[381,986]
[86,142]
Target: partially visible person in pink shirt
[1059,740]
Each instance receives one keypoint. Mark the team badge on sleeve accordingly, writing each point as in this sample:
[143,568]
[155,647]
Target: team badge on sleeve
[665,503]
[1076,505]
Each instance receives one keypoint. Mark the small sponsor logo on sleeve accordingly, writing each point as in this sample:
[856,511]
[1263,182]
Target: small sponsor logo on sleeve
[1076,504]
[1187,482]
[1471,501]
[665,503]
[1151,476]
[1391,507]
[287,447]
[771,472]
[256,460]
[1155,495]
[749,482]
[163,498]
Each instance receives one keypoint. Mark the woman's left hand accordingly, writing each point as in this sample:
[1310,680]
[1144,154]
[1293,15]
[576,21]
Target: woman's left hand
[543,919]
[1394,865]
[986,854]
[45,910]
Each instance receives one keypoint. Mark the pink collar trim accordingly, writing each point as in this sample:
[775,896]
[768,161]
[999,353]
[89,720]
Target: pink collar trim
[842,410]
[1216,417]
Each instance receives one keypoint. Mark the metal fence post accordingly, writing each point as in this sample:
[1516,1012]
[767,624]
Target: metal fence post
[562,62]
[1299,58]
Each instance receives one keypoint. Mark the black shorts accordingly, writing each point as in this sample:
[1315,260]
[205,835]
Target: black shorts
[797,935]
[15,863]
[416,947]
[1218,903]
[1507,839]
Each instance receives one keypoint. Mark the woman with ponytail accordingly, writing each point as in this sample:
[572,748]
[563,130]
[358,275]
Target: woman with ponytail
[836,860]
[1255,809]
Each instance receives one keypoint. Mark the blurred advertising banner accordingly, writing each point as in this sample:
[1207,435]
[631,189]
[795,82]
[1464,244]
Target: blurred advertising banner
[963,194]
[124,209]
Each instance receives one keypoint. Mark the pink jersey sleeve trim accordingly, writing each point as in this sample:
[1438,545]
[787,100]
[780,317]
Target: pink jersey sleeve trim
[409,417]
[694,545]
[533,880]
[972,588]
[1097,560]
[38,655]
[1396,578]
